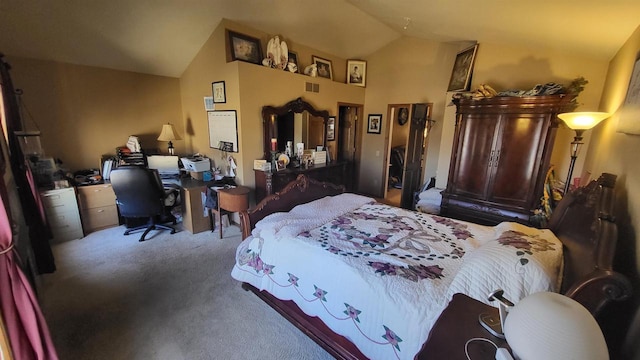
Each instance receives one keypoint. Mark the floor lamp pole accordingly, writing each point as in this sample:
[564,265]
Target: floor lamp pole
[575,148]
[568,181]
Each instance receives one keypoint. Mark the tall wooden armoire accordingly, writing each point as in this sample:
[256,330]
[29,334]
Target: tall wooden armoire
[501,152]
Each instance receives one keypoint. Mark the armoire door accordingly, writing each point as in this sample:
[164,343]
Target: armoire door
[474,153]
[517,157]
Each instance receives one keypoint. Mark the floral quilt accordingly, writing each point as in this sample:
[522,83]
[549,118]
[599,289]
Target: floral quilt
[381,275]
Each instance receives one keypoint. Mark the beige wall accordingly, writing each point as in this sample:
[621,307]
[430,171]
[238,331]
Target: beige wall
[617,153]
[85,112]
[409,70]
[415,70]
[249,88]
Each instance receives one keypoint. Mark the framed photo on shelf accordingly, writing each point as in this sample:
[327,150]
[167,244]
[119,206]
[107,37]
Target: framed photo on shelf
[374,124]
[219,93]
[356,72]
[324,67]
[245,48]
[462,69]
[331,129]
[293,58]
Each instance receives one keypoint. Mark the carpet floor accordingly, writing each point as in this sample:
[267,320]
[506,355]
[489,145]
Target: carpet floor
[171,297]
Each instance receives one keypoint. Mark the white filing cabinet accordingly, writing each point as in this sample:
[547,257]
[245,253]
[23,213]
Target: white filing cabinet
[61,208]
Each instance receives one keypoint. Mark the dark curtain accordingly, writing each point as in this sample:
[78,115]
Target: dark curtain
[39,233]
[26,326]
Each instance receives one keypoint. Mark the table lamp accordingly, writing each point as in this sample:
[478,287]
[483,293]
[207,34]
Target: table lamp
[169,134]
[551,326]
[579,122]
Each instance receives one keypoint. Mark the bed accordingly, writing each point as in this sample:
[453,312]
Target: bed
[366,280]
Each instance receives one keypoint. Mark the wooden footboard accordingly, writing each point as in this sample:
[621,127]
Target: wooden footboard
[336,345]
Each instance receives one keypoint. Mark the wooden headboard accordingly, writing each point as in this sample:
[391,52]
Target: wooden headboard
[583,221]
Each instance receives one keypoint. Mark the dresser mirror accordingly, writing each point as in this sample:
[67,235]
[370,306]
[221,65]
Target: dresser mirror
[297,121]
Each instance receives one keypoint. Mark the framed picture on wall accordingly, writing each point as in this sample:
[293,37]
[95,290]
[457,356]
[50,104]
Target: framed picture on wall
[331,128]
[374,124]
[324,67]
[245,48]
[219,92]
[629,114]
[356,72]
[462,69]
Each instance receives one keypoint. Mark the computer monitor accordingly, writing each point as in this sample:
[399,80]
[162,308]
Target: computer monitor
[167,166]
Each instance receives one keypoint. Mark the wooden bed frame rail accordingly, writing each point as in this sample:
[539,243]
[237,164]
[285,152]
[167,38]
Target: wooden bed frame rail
[584,221]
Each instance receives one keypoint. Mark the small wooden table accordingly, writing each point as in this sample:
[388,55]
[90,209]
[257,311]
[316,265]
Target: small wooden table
[230,200]
[456,325]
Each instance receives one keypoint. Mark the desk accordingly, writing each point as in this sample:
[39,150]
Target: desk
[194,218]
[229,201]
[457,324]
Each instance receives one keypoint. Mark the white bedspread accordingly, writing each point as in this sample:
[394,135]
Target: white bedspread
[380,275]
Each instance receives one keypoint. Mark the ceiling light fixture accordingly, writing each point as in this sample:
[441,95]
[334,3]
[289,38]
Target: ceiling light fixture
[407,21]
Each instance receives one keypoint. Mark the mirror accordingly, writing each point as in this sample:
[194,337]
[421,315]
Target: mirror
[298,122]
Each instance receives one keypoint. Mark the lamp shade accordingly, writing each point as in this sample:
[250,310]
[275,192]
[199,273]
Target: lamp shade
[551,326]
[583,120]
[168,133]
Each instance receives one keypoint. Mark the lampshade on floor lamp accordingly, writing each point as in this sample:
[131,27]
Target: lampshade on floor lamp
[579,122]
[169,134]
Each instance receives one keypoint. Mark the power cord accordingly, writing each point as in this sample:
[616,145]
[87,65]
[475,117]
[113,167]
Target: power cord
[466,345]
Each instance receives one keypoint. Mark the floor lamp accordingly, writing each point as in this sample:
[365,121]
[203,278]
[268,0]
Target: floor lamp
[579,122]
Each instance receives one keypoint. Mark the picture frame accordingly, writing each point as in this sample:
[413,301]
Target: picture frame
[208,103]
[244,48]
[374,124]
[293,58]
[325,70]
[628,122]
[356,72]
[219,92]
[331,128]
[462,69]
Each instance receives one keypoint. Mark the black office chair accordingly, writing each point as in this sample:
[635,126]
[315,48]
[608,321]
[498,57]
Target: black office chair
[140,194]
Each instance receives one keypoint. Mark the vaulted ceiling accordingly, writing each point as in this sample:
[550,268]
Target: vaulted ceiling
[162,36]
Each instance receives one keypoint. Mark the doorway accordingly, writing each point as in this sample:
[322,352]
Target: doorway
[405,146]
[398,115]
[349,141]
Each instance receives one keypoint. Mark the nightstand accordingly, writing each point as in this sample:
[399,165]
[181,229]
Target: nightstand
[457,324]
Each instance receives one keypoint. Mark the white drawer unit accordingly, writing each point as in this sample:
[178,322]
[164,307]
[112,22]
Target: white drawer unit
[61,208]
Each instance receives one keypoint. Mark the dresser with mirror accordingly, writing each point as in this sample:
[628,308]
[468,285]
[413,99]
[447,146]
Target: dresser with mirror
[295,122]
